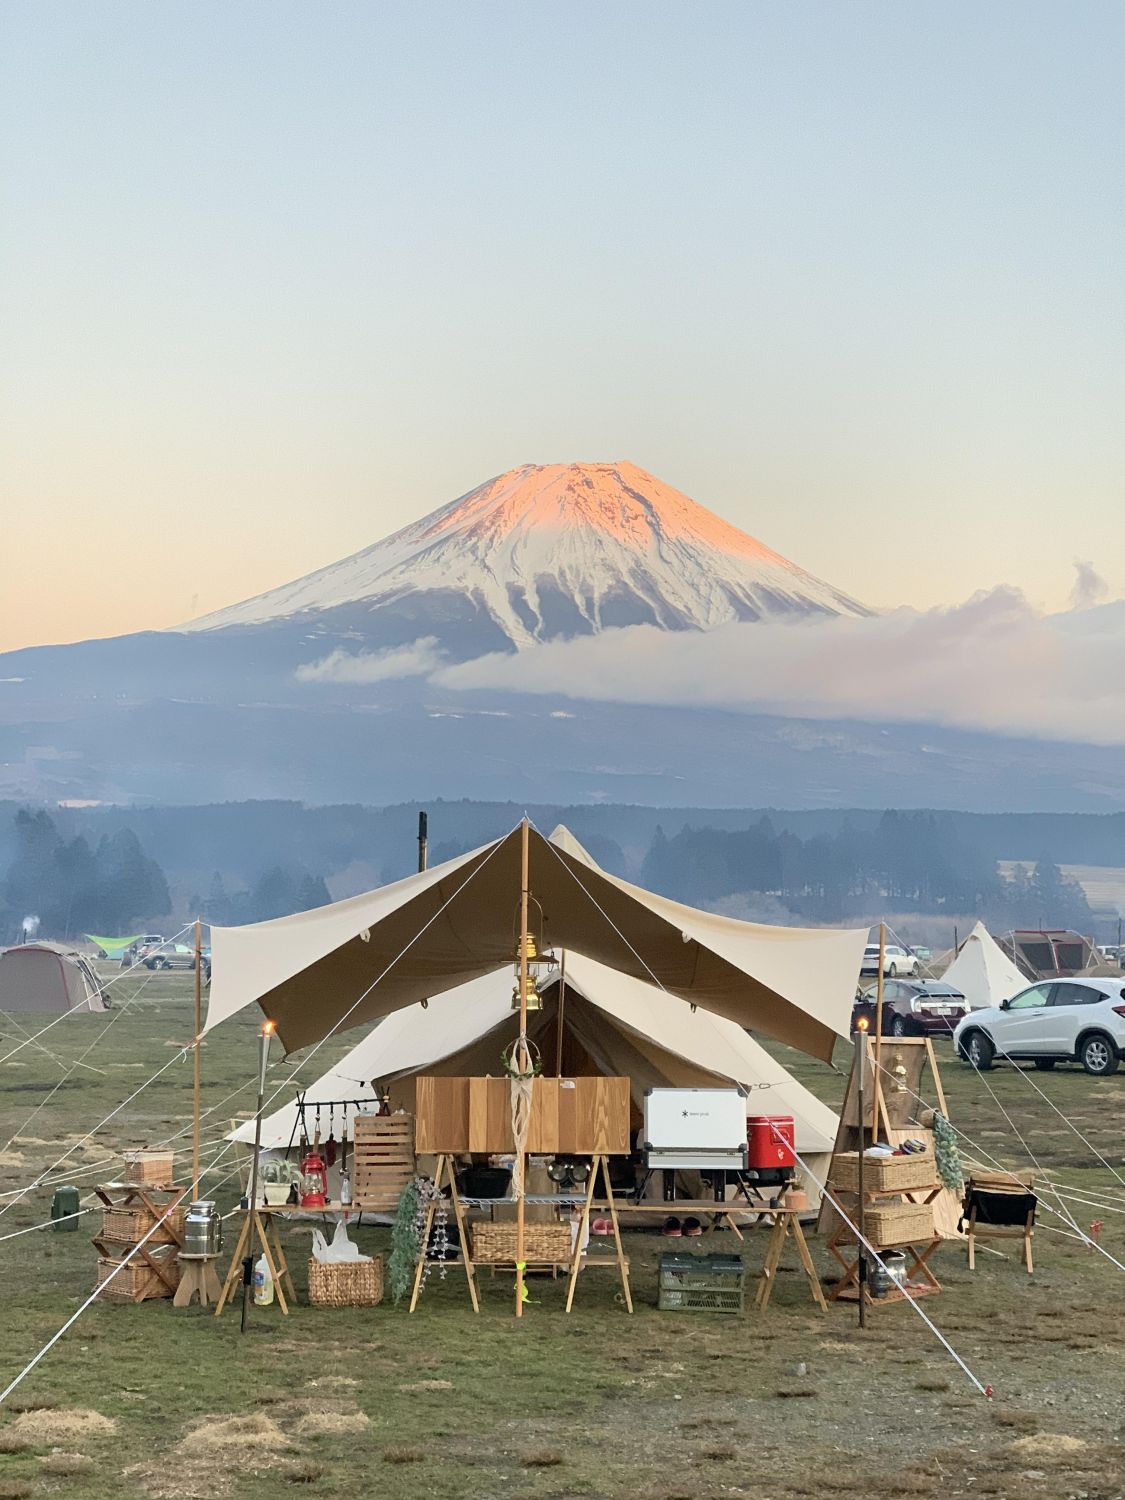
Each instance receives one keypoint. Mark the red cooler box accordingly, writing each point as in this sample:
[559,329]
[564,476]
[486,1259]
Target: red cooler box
[770,1141]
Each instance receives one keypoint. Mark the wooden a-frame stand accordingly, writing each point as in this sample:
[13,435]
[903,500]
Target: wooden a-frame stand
[584,1262]
[892,1121]
[259,1227]
[445,1169]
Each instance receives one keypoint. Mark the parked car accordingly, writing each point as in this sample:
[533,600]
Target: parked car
[912,1007]
[896,960]
[1062,1020]
[136,951]
[171,957]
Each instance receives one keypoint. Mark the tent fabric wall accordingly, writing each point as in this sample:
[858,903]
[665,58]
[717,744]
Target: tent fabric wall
[47,979]
[623,1026]
[357,960]
[983,972]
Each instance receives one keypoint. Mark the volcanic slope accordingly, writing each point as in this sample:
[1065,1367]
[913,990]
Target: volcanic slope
[552,550]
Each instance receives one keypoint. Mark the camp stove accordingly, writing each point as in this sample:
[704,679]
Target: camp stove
[695,1129]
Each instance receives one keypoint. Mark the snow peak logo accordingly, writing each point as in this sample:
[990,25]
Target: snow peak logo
[696,1114]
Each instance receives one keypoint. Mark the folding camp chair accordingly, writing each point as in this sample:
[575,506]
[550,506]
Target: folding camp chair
[999,1205]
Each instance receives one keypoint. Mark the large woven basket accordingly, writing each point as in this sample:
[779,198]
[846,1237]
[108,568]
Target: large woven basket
[495,1244]
[346,1283]
[127,1226]
[889,1224]
[886,1174]
[136,1281]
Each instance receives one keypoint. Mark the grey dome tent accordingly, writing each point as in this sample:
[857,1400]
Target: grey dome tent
[47,978]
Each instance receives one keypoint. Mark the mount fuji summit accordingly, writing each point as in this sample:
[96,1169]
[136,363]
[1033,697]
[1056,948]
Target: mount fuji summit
[543,552]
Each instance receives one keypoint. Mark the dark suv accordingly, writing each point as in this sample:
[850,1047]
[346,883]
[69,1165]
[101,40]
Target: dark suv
[913,1007]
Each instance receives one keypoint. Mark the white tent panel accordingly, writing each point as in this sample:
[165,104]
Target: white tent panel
[983,972]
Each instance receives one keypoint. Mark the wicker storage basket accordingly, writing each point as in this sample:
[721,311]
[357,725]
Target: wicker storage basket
[137,1281]
[127,1226]
[887,1174]
[888,1224]
[152,1166]
[548,1244]
[346,1283]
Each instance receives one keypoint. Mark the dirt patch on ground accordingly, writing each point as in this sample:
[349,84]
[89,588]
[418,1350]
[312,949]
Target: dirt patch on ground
[63,1425]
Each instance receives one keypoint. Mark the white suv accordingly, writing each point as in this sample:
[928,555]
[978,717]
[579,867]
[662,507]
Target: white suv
[1059,1020]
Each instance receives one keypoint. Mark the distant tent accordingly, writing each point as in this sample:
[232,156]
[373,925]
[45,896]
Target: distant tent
[49,978]
[612,1024]
[983,972]
[112,947]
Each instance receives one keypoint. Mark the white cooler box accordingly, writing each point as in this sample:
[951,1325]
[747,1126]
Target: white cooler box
[700,1129]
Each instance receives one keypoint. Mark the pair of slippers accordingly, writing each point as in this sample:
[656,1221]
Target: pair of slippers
[673,1229]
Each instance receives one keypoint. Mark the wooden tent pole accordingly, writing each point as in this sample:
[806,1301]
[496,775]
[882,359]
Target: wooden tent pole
[197,1065]
[523,1056]
[559,1016]
[877,1091]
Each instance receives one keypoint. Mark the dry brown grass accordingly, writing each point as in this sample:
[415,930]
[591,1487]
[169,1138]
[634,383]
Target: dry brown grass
[428,1385]
[541,1458]
[1047,1445]
[15,1489]
[64,1464]
[331,1423]
[62,1425]
[401,1453]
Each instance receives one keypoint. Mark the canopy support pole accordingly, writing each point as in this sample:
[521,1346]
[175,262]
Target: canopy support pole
[878,1089]
[559,1016]
[523,1056]
[197,1065]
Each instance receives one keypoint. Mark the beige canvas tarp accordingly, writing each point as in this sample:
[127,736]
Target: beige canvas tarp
[612,1023]
[356,960]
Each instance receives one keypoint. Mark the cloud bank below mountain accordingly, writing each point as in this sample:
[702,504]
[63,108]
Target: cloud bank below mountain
[993,663]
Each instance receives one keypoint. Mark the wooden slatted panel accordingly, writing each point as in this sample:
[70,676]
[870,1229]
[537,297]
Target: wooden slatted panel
[382,1161]
[442,1106]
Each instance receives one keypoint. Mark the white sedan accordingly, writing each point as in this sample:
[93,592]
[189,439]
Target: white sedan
[1059,1020]
[897,962]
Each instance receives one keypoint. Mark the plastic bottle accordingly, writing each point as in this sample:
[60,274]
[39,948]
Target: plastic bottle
[345,1188]
[263,1283]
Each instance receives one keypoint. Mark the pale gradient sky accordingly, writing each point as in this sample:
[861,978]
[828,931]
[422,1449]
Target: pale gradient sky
[279,278]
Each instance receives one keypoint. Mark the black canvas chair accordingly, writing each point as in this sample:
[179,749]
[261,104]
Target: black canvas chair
[999,1205]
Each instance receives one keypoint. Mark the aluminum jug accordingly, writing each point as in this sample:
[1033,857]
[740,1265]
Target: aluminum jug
[203,1230]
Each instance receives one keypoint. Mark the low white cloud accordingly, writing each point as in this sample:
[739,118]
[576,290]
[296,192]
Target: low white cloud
[416,660]
[993,663]
[1090,587]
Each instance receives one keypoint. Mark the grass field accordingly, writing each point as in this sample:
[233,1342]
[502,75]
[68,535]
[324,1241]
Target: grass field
[148,1401]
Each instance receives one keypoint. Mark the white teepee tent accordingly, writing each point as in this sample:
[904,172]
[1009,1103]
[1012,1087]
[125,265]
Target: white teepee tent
[983,972]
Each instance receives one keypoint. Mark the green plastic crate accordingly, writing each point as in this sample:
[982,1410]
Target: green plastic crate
[701,1283]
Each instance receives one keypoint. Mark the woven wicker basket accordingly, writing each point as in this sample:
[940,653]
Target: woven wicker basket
[346,1283]
[495,1244]
[151,1166]
[127,1226]
[886,1174]
[137,1281]
[889,1224]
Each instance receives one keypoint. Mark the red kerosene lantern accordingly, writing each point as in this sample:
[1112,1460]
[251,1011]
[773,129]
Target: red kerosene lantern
[314,1180]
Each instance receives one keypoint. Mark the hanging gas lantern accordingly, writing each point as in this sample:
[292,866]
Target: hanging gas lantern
[314,1180]
[536,959]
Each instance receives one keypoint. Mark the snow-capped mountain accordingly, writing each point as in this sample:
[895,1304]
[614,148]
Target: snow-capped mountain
[550,550]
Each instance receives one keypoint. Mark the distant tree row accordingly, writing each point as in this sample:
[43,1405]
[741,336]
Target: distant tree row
[907,862]
[64,887]
[277,893]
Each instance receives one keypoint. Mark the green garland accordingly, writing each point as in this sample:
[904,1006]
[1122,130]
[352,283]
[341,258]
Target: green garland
[948,1156]
[405,1243]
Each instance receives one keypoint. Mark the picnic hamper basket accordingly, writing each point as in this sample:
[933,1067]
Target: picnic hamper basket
[887,1224]
[136,1281]
[884,1174]
[128,1225]
[151,1165]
